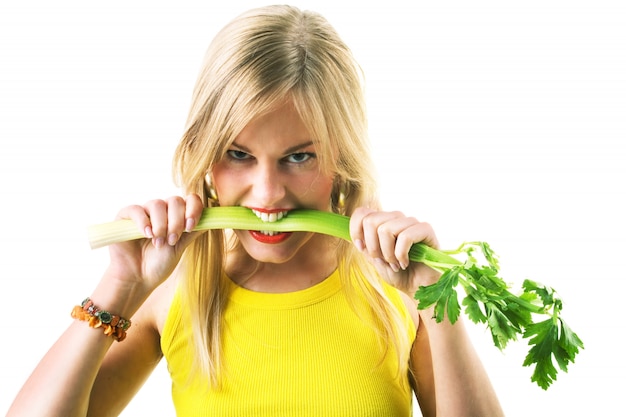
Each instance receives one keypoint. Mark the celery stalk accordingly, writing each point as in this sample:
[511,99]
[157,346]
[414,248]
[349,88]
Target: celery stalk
[243,218]
[487,301]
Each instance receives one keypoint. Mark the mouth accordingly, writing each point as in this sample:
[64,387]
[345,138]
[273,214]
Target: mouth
[269,216]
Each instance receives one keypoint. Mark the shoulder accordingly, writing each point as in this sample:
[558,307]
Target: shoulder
[403,303]
[411,306]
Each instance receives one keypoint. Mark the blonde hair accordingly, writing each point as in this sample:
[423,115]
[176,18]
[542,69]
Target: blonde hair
[258,61]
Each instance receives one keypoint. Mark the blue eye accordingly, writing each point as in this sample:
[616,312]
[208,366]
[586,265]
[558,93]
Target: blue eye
[300,157]
[238,155]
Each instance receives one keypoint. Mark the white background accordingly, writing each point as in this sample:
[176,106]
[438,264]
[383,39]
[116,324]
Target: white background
[503,122]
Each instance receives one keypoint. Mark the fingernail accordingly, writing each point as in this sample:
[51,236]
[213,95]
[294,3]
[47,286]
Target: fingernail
[403,266]
[394,267]
[148,232]
[189,225]
[359,245]
[172,239]
[158,242]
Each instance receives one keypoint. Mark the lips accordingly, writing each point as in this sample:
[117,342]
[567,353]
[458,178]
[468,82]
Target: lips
[277,237]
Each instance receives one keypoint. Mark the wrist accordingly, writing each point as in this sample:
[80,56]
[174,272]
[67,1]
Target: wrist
[119,295]
[425,277]
[113,325]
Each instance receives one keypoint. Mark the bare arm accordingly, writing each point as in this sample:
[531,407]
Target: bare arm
[450,379]
[61,385]
[87,373]
[127,366]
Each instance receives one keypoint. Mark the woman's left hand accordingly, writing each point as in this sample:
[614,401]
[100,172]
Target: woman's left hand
[385,238]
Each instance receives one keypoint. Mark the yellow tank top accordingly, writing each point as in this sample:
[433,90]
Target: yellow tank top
[304,353]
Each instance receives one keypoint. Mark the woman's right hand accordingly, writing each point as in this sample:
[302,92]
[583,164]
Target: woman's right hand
[150,261]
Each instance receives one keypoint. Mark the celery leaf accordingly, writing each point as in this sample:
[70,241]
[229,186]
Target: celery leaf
[489,301]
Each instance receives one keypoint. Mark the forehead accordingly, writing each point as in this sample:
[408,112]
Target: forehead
[279,128]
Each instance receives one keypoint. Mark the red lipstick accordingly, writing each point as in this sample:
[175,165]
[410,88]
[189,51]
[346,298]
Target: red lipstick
[277,237]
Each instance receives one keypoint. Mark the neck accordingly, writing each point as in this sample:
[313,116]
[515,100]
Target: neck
[306,269]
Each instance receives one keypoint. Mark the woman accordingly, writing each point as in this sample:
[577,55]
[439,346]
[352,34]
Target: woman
[255,322]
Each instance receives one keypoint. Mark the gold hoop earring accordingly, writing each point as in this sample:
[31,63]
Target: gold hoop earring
[212,194]
[210,189]
[339,202]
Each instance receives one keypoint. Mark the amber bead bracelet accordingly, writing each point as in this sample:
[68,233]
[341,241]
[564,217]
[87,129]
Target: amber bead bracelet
[114,326]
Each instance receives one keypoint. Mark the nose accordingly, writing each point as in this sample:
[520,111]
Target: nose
[268,184]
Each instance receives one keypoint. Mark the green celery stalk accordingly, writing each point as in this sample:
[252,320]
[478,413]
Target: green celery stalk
[488,298]
[243,218]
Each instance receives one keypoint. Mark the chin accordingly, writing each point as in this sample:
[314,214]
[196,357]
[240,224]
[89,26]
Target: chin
[273,249]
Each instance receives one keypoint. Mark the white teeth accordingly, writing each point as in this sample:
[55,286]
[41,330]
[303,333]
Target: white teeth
[269,217]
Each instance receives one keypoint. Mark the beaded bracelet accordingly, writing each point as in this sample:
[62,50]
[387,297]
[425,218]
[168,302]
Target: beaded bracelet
[114,326]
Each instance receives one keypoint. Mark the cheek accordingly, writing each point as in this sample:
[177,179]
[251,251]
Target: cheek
[225,182]
[318,192]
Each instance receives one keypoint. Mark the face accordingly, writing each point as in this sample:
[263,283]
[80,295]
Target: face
[272,167]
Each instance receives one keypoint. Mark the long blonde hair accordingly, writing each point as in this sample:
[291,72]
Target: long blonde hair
[256,62]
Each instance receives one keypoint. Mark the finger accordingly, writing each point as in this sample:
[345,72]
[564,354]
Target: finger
[193,211]
[356,227]
[372,227]
[139,216]
[418,232]
[157,211]
[388,233]
[175,219]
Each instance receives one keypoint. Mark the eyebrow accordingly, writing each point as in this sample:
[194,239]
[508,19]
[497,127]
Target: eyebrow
[289,150]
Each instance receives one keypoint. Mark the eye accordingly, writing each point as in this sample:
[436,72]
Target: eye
[299,157]
[237,155]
